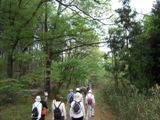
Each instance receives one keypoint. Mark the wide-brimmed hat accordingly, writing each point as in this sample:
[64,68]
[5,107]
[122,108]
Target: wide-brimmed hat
[38,99]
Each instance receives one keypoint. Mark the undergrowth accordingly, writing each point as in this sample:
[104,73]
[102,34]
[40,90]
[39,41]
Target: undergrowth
[130,104]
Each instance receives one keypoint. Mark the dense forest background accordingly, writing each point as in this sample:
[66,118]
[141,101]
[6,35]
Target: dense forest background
[49,44]
[54,44]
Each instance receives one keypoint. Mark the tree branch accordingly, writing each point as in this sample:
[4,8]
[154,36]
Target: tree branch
[34,12]
[82,45]
[67,6]
[19,4]
[70,6]
[25,24]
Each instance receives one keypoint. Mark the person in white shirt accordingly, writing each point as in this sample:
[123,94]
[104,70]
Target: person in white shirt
[79,95]
[39,107]
[58,103]
[90,104]
[81,114]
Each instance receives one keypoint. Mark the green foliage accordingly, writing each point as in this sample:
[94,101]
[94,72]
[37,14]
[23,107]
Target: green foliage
[155,42]
[17,111]
[77,71]
[129,104]
[131,55]
[10,90]
[39,41]
[140,60]
[34,79]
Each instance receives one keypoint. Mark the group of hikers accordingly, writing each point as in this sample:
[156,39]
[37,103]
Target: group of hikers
[80,104]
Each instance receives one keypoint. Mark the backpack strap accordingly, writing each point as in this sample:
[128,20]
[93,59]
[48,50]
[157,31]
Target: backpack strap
[37,109]
[58,105]
[78,102]
[35,106]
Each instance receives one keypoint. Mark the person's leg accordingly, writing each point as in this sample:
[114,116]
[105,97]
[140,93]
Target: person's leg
[62,118]
[73,118]
[87,112]
[93,111]
[80,118]
[42,117]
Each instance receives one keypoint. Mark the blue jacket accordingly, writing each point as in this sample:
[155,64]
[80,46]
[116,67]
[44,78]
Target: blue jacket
[70,94]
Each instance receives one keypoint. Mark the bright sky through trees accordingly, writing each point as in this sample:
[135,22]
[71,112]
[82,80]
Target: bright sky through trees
[141,6]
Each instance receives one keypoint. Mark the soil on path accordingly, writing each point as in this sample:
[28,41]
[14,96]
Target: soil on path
[101,113]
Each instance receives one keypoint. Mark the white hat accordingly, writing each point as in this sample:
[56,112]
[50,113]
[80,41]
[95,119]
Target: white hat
[38,99]
[90,91]
[77,89]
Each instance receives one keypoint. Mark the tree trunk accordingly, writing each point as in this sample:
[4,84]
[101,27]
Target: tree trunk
[49,51]
[10,66]
[47,84]
[48,76]
[115,70]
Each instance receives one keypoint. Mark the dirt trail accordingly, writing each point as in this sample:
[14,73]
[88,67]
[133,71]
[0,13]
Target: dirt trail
[101,113]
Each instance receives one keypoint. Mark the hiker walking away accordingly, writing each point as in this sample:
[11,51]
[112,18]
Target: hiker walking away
[36,109]
[58,107]
[90,104]
[46,96]
[77,111]
[70,96]
[79,95]
[44,108]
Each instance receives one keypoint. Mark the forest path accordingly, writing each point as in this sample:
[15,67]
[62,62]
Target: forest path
[102,112]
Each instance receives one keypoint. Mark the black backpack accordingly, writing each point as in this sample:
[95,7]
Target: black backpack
[57,112]
[76,107]
[35,112]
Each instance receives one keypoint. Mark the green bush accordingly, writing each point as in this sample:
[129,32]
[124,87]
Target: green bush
[19,111]
[129,104]
[33,79]
[10,91]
